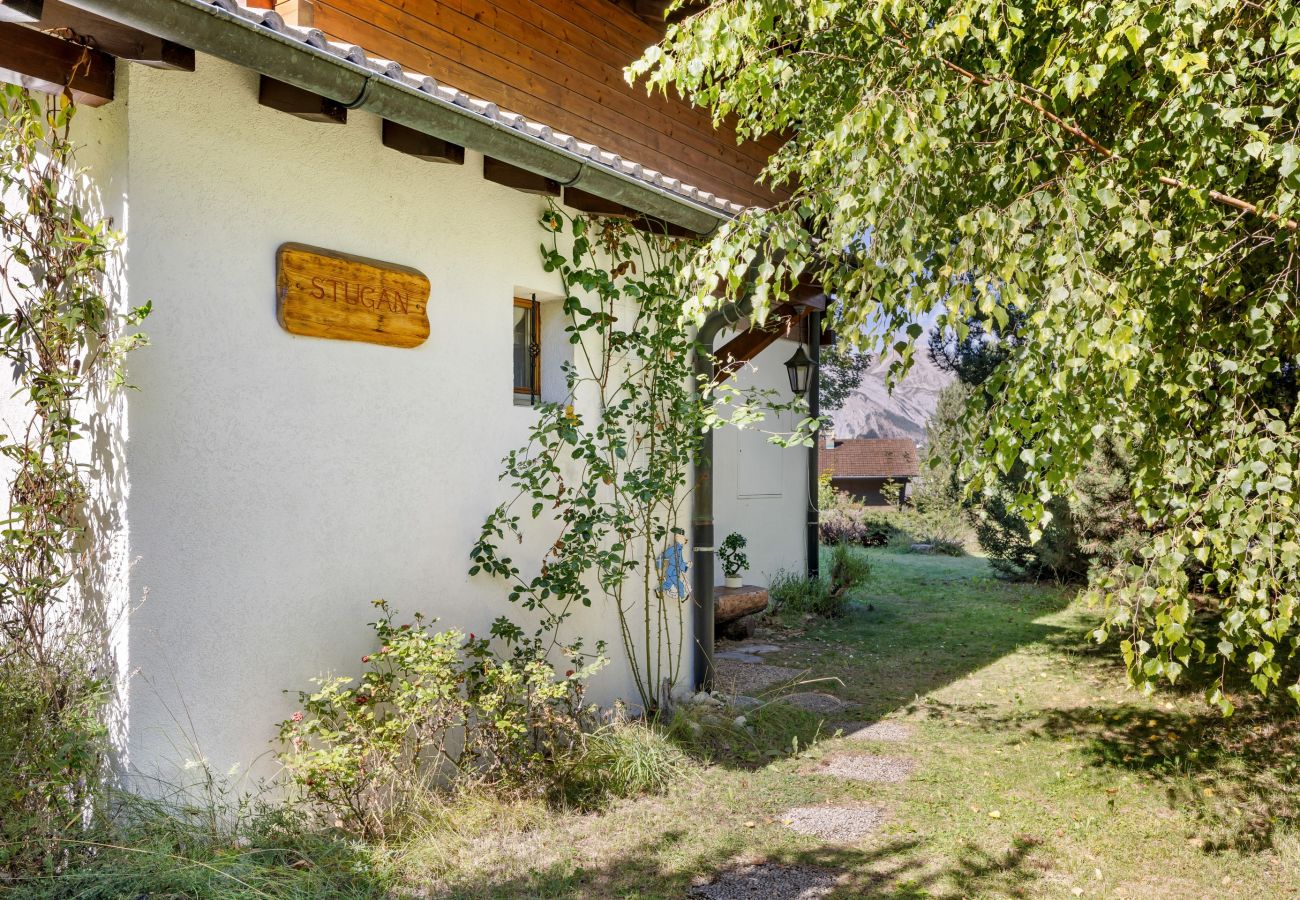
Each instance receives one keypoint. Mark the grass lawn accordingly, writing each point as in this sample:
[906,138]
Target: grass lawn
[1037,773]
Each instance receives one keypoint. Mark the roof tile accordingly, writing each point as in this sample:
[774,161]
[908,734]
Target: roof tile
[870,458]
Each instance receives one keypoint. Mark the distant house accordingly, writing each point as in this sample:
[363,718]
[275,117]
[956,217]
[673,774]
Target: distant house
[862,466]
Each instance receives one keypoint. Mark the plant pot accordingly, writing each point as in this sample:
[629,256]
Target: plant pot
[733,581]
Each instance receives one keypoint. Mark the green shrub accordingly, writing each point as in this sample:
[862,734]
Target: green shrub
[617,761]
[52,742]
[932,520]
[843,520]
[434,713]
[945,547]
[1004,536]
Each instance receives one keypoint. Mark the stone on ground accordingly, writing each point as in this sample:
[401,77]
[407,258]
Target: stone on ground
[868,767]
[815,702]
[841,824]
[890,732]
[738,656]
[756,648]
[769,881]
[744,651]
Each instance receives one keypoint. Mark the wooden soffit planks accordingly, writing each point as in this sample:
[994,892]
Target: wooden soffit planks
[559,62]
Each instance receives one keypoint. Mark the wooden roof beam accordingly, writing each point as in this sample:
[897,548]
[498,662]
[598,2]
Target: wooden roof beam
[24,12]
[595,205]
[50,65]
[420,145]
[748,344]
[297,102]
[114,38]
[496,171]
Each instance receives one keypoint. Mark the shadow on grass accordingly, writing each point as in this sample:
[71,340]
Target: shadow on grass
[901,868]
[1239,775]
[920,623]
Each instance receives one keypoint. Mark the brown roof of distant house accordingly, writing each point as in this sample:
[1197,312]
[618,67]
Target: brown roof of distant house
[870,458]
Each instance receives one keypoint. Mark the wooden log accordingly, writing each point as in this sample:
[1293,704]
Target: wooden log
[48,64]
[730,604]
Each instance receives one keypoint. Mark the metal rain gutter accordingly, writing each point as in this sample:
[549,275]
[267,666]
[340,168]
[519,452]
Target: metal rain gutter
[702,549]
[812,546]
[220,32]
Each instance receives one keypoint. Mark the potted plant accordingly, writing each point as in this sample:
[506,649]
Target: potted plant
[732,554]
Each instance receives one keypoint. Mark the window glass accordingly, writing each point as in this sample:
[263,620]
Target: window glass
[526,351]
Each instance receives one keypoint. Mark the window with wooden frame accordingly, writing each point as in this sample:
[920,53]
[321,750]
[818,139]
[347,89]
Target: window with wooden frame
[527,350]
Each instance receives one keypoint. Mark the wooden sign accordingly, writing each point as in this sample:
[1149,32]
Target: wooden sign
[322,293]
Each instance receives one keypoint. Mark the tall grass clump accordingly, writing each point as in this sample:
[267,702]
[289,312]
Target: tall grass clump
[619,761]
[720,735]
[827,596]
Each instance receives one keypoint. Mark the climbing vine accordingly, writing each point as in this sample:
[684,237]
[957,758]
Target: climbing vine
[57,339]
[606,468]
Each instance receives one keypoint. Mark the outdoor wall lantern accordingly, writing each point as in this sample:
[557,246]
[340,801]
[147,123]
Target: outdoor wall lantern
[799,367]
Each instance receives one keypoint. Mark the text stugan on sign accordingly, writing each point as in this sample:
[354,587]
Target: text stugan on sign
[328,294]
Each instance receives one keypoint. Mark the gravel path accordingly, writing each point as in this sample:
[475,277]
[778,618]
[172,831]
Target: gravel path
[889,732]
[769,881]
[740,677]
[841,824]
[815,702]
[868,767]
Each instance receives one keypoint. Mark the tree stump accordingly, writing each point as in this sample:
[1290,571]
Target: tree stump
[738,629]
[735,610]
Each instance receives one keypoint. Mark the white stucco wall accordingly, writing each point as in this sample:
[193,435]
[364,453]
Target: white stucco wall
[278,484]
[760,489]
[281,483]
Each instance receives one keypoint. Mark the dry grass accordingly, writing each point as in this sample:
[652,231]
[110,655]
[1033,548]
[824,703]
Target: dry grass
[1034,773]
[1018,731]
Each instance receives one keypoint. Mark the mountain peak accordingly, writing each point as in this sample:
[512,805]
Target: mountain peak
[871,411]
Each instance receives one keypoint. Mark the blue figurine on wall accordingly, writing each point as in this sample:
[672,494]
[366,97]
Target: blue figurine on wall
[672,569]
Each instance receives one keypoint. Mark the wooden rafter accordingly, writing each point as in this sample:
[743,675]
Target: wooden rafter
[24,11]
[114,38]
[583,201]
[421,145]
[49,64]
[295,101]
[781,322]
[503,173]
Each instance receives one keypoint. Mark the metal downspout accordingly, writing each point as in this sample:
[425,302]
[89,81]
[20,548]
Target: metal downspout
[702,548]
[210,29]
[813,546]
